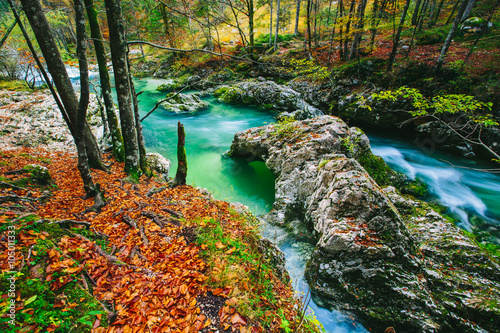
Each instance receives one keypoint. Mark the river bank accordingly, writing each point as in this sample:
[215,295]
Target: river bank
[166,270]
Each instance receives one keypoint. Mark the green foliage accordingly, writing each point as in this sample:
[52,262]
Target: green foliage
[441,104]
[13,85]
[231,95]
[308,69]
[67,309]
[285,127]
[432,36]
[264,39]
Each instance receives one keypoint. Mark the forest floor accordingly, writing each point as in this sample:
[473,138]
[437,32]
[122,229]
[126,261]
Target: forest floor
[154,259]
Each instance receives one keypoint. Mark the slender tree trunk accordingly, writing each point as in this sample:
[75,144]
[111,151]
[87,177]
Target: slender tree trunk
[308,18]
[451,34]
[83,166]
[251,28]
[55,65]
[356,41]
[123,91]
[100,51]
[270,23]
[340,6]
[452,12]
[436,14]
[348,28]
[414,17]
[390,62]
[297,16]
[4,38]
[140,138]
[276,34]
[181,174]
[374,24]
[422,15]
[468,10]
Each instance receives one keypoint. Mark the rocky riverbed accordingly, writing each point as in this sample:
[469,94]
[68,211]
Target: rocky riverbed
[387,258]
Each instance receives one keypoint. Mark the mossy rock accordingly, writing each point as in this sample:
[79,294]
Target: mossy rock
[231,95]
[38,174]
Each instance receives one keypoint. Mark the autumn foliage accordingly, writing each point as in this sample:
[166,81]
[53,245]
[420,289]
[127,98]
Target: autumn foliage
[139,256]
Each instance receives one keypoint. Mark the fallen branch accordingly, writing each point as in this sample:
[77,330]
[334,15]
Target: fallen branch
[114,260]
[155,190]
[172,212]
[15,198]
[65,221]
[143,236]
[12,186]
[153,217]
[129,221]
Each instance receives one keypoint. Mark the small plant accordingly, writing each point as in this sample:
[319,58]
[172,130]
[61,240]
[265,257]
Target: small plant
[285,127]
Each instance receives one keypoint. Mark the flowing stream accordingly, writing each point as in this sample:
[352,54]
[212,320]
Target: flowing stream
[468,194]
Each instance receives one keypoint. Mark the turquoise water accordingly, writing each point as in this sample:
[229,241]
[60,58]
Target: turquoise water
[467,193]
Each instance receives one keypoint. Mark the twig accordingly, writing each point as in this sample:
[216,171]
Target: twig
[168,98]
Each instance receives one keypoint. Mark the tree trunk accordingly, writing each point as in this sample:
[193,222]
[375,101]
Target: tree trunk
[276,34]
[356,41]
[348,28]
[308,19]
[451,34]
[270,23]
[483,31]
[100,51]
[55,65]
[251,31]
[123,92]
[4,38]
[468,10]
[181,174]
[414,18]
[140,138]
[436,14]
[83,167]
[297,16]
[390,62]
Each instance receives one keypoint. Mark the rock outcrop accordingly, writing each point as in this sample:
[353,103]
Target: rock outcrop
[388,259]
[268,95]
[184,103]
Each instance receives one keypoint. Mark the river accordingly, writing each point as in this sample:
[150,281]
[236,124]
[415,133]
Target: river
[468,194]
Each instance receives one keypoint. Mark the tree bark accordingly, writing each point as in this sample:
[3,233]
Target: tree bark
[270,23]
[414,18]
[451,34]
[123,92]
[390,62]
[83,167]
[356,40]
[277,25]
[468,10]
[55,65]
[4,38]
[181,174]
[297,16]
[100,51]
[308,19]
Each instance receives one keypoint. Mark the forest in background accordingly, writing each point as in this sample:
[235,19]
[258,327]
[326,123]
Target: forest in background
[416,34]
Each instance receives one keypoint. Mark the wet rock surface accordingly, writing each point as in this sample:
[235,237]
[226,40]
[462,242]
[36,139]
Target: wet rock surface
[184,103]
[268,95]
[387,258]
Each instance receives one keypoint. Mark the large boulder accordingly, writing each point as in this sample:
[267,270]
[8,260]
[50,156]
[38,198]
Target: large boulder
[388,259]
[268,95]
[184,103]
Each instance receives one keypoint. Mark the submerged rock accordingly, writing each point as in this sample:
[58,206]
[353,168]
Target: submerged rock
[183,103]
[389,259]
[268,95]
